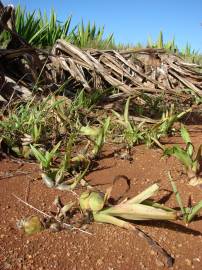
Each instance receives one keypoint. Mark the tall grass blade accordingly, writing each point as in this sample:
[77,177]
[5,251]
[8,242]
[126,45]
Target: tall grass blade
[177,195]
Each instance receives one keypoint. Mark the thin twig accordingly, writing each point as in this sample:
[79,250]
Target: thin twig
[49,216]
[156,246]
[17,160]
[27,190]
[74,193]
[14,175]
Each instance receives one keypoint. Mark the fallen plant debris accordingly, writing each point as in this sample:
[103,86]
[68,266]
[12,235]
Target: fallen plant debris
[136,208]
[133,72]
[30,225]
[32,230]
[156,72]
[95,203]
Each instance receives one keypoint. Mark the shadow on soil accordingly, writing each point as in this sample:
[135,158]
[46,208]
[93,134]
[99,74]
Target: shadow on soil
[170,226]
[193,118]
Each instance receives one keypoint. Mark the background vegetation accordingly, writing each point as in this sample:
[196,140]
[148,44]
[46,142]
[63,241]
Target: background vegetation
[42,31]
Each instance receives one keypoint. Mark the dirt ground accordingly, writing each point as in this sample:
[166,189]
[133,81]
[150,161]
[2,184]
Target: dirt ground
[109,247]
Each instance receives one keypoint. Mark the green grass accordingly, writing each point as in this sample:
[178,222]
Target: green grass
[39,30]
[91,36]
[189,157]
[42,31]
[188,213]
[150,135]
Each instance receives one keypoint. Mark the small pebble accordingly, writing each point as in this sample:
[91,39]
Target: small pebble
[196,259]
[153,253]
[7,265]
[55,227]
[159,263]
[142,265]
[99,262]
[188,262]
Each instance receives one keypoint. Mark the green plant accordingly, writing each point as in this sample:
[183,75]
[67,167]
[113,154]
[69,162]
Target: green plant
[189,157]
[55,176]
[30,225]
[28,26]
[152,137]
[188,213]
[132,134]
[5,38]
[41,123]
[85,100]
[97,135]
[38,30]
[45,158]
[169,117]
[196,98]
[164,127]
[161,44]
[55,29]
[23,125]
[91,36]
[27,124]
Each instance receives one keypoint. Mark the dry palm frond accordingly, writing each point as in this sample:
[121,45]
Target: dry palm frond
[133,71]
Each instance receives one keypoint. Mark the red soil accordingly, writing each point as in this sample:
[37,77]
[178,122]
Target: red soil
[108,247]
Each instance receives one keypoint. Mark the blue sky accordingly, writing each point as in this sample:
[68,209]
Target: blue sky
[132,21]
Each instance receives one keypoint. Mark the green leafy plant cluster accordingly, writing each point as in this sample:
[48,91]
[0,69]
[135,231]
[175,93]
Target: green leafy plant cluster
[164,127]
[132,134]
[42,31]
[91,36]
[24,125]
[190,212]
[189,157]
[187,52]
[62,175]
[150,135]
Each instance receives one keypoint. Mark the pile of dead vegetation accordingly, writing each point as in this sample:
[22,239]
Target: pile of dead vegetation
[25,69]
